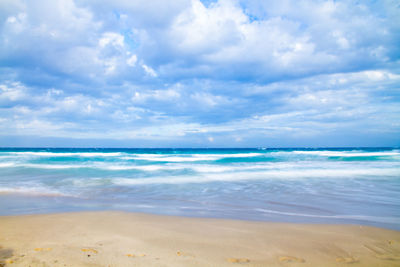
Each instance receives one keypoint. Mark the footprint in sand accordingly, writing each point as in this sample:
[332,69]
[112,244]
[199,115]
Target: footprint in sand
[342,256]
[291,259]
[237,260]
[388,250]
[348,259]
[180,253]
[9,261]
[89,250]
[5,254]
[43,249]
[133,255]
[16,260]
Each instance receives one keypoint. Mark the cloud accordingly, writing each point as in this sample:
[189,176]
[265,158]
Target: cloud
[255,40]
[345,103]
[249,72]
[149,70]
[227,41]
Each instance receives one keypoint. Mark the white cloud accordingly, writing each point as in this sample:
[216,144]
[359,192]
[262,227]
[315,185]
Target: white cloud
[131,61]
[293,39]
[207,100]
[12,91]
[199,29]
[167,95]
[111,38]
[149,70]
[262,40]
[158,69]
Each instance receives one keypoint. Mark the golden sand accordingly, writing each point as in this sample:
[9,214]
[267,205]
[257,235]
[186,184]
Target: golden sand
[132,239]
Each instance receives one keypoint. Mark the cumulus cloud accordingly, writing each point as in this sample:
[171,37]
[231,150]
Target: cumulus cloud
[266,41]
[191,72]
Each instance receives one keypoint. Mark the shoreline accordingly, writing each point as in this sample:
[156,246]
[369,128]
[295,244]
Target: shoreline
[113,238]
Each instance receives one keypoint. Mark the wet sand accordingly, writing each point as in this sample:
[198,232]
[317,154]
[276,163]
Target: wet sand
[134,239]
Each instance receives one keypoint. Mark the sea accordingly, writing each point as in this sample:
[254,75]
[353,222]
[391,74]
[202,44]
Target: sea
[297,185]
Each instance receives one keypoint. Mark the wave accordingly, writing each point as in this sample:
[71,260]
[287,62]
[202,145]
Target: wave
[7,165]
[265,169]
[393,220]
[348,153]
[63,154]
[34,191]
[189,157]
[109,167]
[262,175]
[149,156]
[119,160]
[44,166]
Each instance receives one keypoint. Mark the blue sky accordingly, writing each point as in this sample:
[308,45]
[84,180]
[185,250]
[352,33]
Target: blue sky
[188,73]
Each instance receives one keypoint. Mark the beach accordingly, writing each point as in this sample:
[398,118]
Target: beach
[111,238]
[199,207]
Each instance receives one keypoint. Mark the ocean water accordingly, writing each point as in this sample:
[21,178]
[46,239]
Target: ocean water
[357,185]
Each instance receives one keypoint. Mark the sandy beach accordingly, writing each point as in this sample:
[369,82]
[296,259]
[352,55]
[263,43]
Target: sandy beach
[134,239]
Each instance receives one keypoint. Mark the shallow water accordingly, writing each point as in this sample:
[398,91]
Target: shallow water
[356,185]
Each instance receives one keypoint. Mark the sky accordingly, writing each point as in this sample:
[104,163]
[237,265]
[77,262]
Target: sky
[191,73]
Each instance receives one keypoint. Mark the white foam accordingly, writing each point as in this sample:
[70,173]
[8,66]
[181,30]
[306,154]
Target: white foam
[144,206]
[67,154]
[241,155]
[52,166]
[32,190]
[111,167]
[261,175]
[7,165]
[173,158]
[84,183]
[216,168]
[158,167]
[347,153]
[100,166]
[351,217]
[189,157]
[240,168]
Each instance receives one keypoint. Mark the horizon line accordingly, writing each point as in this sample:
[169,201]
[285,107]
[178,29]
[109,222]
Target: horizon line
[261,147]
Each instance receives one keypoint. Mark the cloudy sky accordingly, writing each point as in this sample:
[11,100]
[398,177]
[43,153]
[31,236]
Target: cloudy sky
[191,73]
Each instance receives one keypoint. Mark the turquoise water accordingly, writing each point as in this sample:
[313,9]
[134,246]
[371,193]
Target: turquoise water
[356,185]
